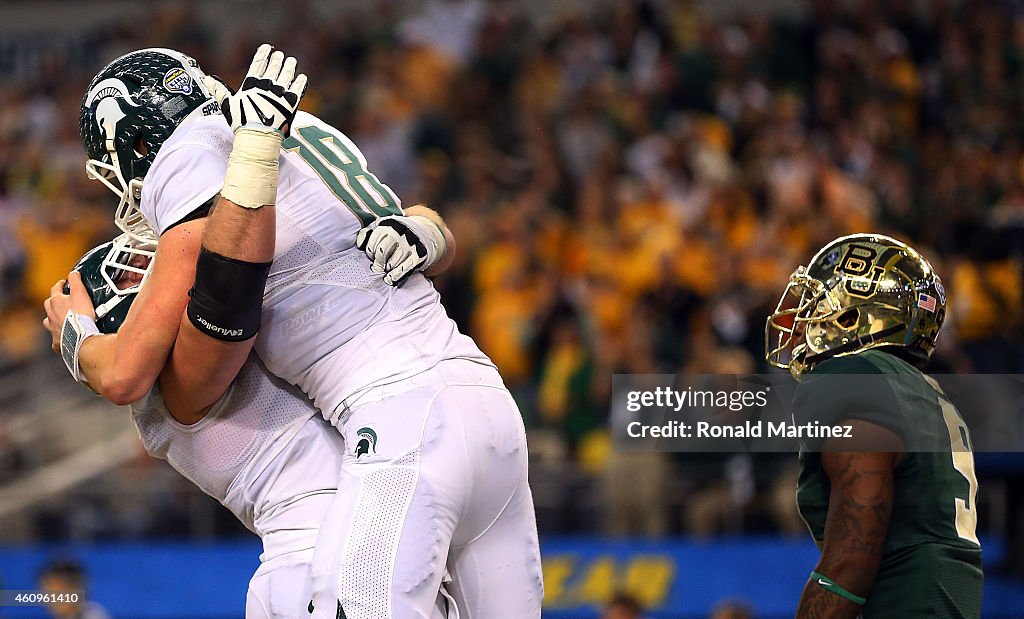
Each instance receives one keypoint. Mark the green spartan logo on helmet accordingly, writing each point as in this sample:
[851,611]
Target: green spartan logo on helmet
[367,442]
[143,95]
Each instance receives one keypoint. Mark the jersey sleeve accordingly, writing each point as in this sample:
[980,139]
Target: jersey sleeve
[182,180]
[849,388]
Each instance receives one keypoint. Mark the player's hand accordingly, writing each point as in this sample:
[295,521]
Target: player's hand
[66,296]
[399,246]
[269,96]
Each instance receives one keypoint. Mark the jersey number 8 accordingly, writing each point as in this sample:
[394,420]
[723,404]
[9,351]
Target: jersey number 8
[335,161]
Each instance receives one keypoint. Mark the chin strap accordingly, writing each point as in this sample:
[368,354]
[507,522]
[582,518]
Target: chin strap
[860,342]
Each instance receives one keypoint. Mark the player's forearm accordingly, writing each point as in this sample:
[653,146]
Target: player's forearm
[238,244]
[124,367]
[856,528]
[448,257]
[242,224]
[241,233]
[119,382]
[96,359]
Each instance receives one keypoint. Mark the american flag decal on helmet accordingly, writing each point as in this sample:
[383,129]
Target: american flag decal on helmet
[926,302]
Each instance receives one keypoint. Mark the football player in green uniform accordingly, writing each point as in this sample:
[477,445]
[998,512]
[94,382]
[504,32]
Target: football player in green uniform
[894,511]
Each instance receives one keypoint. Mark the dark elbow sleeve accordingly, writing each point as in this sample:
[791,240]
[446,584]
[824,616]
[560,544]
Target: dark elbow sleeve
[227,299]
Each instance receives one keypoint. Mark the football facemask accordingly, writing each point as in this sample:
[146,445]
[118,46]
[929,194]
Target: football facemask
[113,273]
[127,217]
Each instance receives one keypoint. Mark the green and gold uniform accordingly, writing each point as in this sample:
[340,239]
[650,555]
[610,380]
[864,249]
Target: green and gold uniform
[932,561]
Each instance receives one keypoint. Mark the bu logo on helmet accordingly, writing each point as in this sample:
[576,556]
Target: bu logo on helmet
[859,264]
[178,81]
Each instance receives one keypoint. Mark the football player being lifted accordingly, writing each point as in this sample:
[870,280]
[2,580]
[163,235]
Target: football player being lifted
[262,450]
[434,476]
[893,509]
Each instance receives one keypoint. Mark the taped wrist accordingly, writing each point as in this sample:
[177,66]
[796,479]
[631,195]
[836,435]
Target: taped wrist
[226,300]
[76,329]
[251,177]
[830,585]
[431,235]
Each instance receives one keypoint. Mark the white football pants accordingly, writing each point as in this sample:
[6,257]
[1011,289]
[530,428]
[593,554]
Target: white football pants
[281,589]
[434,480]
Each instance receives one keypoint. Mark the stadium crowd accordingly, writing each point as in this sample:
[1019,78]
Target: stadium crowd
[630,186]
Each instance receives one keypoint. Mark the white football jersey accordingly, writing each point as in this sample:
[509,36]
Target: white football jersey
[330,325]
[262,451]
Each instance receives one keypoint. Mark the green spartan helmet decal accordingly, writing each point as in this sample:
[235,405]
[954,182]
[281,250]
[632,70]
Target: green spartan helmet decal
[144,94]
[111,308]
[367,442]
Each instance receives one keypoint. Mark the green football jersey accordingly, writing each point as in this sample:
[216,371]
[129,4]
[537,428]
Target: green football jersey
[932,561]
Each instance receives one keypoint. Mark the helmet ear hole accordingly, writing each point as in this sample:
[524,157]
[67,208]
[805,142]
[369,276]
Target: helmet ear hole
[849,318]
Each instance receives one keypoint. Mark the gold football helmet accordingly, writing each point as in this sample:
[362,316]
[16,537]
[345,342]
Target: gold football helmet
[860,291]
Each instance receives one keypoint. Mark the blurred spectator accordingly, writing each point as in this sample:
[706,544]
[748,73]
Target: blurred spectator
[635,493]
[622,606]
[732,609]
[630,183]
[62,576]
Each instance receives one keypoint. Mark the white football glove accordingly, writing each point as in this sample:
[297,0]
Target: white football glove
[399,246]
[260,114]
[269,96]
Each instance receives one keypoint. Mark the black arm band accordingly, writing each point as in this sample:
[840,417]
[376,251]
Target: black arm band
[227,297]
